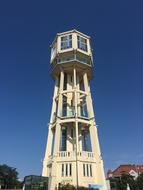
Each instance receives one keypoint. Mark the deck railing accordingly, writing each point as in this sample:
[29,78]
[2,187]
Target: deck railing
[72,154]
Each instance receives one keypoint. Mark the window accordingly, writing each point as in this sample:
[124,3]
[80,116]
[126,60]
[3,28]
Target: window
[62,169]
[83,59]
[70,169]
[64,111]
[70,78]
[71,133]
[63,140]
[54,51]
[82,43]
[66,169]
[87,170]
[65,81]
[82,86]
[53,141]
[90,170]
[84,140]
[83,107]
[66,42]
[83,169]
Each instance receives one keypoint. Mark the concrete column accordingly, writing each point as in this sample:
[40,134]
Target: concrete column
[75,99]
[69,95]
[94,140]
[53,111]
[76,125]
[48,151]
[78,97]
[50,132]
[49,142]
[88,98]
[60,94]
[80,139]
[57,138]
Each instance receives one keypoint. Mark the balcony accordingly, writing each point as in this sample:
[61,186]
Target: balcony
[83,113]
[71,58]
[71,156]
[84,155]
[68,112]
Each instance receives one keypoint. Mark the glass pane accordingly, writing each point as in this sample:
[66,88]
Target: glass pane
[66,42]
[87,169]
[82,43]
[70,169]
[62,169]
[90,170]
[66,169]
[63,140]
[83,169]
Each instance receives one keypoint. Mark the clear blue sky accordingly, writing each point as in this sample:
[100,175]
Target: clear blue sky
[26,30]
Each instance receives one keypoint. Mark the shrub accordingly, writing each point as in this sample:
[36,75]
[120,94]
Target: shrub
[66,187]
[71,187]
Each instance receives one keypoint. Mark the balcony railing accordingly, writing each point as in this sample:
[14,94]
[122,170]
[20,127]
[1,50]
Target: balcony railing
[66,154]
[74,57]
[81,155]
[71,58]
[68,112]
[86,154]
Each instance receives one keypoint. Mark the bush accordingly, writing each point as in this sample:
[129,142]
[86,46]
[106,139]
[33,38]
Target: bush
[66,187]
[86,188]
[71,187]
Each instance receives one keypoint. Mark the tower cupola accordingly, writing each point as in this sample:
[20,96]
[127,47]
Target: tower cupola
[71,48]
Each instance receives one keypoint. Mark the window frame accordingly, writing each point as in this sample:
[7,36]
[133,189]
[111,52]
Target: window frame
[62,170]
[54,50]
[67,42]
[90,170]
[81,44]
[87,169]
[70,169]
[66,172]
[84,173]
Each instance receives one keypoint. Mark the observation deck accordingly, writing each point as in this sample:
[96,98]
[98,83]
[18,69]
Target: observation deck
[69,49]
[71,156]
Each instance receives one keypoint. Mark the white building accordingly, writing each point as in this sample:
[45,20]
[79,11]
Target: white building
[72,153]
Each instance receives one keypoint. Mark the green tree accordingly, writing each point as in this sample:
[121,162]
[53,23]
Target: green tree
[1,181]
[132,182]
[139,182]
[8,177]
[71,187]
[66,187]
[122,181]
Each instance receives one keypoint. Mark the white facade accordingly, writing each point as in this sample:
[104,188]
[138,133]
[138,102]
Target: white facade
[73,152]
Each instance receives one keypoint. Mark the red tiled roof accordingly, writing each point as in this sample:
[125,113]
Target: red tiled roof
[127,168]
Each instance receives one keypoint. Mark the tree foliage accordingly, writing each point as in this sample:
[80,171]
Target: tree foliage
[140,182]
[8,177]
[66,187]
[71,187]
[125,179]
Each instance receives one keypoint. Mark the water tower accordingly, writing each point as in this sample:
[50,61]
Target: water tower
[72,152]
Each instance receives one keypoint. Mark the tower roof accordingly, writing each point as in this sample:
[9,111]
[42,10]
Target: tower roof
[68,32]
[71,31]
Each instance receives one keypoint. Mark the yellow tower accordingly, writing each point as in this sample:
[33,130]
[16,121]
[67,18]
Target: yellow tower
[73,152]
